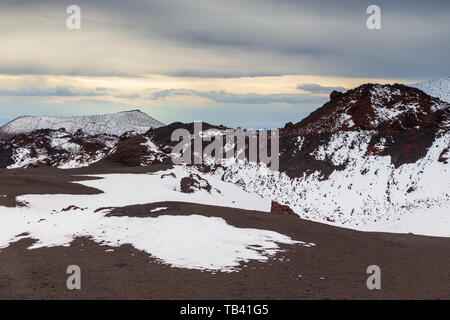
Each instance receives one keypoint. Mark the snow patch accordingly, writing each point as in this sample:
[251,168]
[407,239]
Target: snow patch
[158,209]
[194,241]
[439,88]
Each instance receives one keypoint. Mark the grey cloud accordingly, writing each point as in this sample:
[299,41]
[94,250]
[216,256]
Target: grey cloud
[319,37]
[128,96]
[39,70]
[318,89]
[47,92]
[249,98]
[221,74]
[64,92]
[243,37]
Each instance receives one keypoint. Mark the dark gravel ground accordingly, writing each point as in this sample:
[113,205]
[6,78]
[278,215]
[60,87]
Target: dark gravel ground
[412,267]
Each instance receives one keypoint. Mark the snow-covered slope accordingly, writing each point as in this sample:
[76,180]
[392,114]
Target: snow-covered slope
[367,192]
[58,148]
[373,158]
[192,241]
[436,88]
[112,124]
[54,148]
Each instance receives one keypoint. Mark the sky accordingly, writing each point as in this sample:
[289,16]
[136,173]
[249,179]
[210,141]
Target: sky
[257,64]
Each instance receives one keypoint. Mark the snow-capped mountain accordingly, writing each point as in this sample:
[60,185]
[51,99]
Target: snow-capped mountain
[370,159]
[385,108]
[110,124]
[436,88]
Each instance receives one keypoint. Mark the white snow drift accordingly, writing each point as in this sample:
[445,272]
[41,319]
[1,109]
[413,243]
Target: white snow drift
[194,242]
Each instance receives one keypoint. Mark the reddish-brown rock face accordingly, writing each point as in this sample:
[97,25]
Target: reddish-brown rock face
[130,151]
[402,122]
[194,183]
[384,108]
[55,148]
[281,209]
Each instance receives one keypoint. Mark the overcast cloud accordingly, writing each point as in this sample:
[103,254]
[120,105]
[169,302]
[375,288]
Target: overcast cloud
[228,38]
[214,39]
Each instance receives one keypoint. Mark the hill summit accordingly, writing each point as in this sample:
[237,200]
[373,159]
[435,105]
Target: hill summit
[111,124]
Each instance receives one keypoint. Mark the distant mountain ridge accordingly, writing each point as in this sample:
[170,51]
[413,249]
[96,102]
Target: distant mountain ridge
[110,124]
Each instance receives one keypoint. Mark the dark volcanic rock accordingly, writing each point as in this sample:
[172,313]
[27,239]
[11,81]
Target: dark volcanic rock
[162,135]
[405,118]
[281,209]
[173,175]
[443,157]
[6,154]
[335,94]
[295,162]
[130,151]
[405,147]
[384,108]
[54,148]
[194,183]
